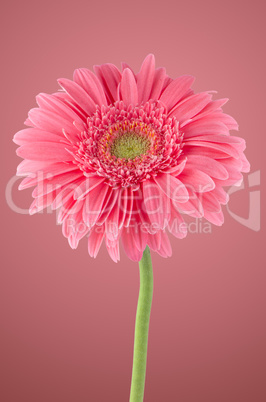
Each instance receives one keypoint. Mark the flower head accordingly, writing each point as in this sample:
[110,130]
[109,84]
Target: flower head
[126,156]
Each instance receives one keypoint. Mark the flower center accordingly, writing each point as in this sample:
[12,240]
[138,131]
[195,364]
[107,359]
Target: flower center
[129,145]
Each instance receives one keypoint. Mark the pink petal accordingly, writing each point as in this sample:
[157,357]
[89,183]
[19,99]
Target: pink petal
[66,194]
[93,204]
[167,82]
[95,240]
[71,209]
[110,76]
[88,185]
[220,194]
[27,166]
[217,218]
[74,228]
[110,200]
[159,78]
[211,152]
[190,106]
[156,203]
[196,180]
[233,168]
[47,173]
[111,223]
[193,207]
[138,226]
[68,206]
[176,90]
[214,105]
[224,148]
[129,91]
[237,142]
[140,237]
[229,121]
[176,225]
[29,135]
[145,78]
[59,106]
[204,127]
[81,232]
[207,165]
[28,122]
[58,181]
[51,122]
[129,245]
[245,164]
[114,251]
[70,103]
[42,202]
[44,151]
[125,65]
[218,115]
[140,215]
[123,207]
[210,202]
[91,84]
[176,170]
[172,187]
[118,92]
[154,241]
[79,95]
[234,181]
[130,199]
[165,250]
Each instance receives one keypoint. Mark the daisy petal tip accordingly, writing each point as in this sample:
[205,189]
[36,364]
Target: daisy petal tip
[73,242]
[21,186]
[18,151]
[150,58]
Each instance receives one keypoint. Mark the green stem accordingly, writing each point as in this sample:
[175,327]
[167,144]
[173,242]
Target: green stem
[142,328]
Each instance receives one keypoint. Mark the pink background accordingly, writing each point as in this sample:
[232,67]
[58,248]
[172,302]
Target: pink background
[67,321]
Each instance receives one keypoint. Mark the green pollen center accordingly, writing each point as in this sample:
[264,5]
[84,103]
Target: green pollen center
[130,145]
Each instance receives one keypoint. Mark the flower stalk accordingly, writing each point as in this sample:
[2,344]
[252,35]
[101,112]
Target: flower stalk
[142,328]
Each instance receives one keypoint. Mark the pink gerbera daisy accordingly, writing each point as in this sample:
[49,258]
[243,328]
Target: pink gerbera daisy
[126,156]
